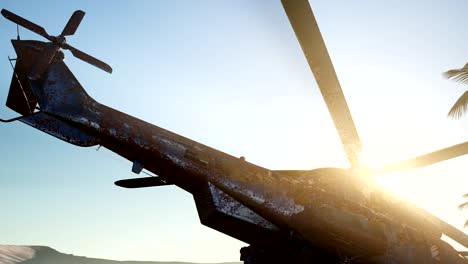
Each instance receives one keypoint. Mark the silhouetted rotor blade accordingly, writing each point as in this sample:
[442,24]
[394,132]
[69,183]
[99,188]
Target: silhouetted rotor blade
[427,159]
[307,32]
[73,23]
[88,58]
[26,24]
[43,62]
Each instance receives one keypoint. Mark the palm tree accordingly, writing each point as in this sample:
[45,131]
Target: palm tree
[463,206]
[461,105]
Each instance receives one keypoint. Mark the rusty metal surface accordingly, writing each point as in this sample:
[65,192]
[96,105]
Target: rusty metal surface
[213,215]
[60,130]
[327,210]
[227,205]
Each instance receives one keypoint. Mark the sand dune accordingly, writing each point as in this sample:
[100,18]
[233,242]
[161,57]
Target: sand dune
[47,255]
[15,254]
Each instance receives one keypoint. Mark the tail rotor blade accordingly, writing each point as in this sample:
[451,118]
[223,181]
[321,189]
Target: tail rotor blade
[307,32]
[26,24]
[58,42]
[88,58]
[73,23]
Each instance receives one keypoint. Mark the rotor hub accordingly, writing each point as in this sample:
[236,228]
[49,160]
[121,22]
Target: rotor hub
[60,40]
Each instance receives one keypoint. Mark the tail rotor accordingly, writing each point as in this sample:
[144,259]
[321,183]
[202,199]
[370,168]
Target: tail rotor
[56,43]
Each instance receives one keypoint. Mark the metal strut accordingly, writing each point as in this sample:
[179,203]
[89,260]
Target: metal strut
[11,120]
[17,118]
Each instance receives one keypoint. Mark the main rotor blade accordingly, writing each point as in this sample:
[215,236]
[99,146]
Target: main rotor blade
[307,32]
[88,58]
[26,24]
[73,23]
[427,159]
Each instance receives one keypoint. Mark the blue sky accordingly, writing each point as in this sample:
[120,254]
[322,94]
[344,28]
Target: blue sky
[231,75]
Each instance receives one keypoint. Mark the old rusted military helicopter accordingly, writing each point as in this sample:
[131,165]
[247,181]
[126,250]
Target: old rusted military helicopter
[326,215]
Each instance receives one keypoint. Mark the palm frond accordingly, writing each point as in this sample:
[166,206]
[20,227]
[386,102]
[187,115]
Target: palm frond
[458,75]
[463,205]
[460,107]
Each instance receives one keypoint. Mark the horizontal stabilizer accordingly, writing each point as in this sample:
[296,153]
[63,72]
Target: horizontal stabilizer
[60,129]
[142,182]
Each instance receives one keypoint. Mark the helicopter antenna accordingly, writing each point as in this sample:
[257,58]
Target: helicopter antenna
[17,32]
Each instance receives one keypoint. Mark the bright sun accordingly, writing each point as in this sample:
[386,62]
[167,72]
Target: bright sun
[418,186]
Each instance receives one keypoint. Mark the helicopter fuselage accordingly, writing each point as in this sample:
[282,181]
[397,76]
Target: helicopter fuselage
[329,211]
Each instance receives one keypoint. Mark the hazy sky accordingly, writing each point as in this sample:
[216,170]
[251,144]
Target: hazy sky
[231,75]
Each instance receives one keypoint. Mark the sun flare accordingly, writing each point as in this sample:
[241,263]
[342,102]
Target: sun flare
[408,185]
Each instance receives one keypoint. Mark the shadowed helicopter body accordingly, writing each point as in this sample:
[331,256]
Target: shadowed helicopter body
[328,215]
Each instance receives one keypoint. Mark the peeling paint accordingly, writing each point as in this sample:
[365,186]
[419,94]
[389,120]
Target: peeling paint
[326,208]
[228,205]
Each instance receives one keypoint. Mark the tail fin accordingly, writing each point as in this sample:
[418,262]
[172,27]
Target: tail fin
[21,97]
[58,93]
